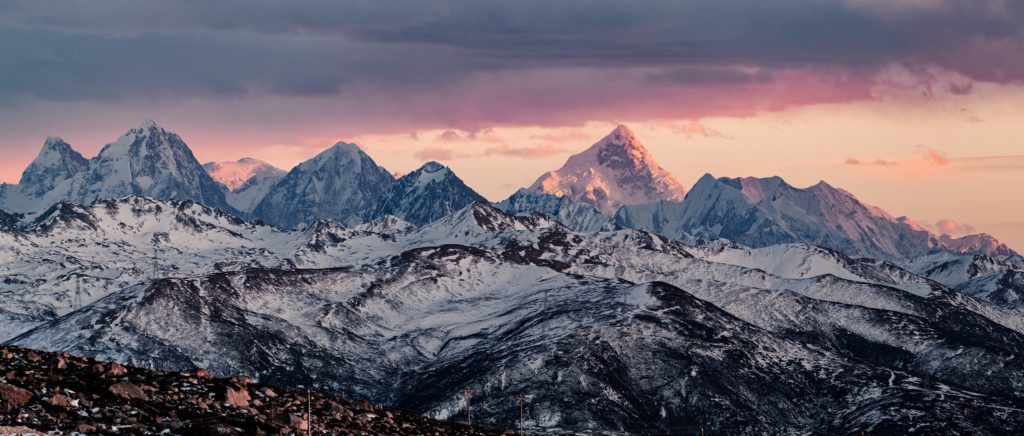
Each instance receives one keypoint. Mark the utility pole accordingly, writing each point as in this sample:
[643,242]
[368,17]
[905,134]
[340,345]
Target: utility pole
[156,259]
[469,411]
[520,397]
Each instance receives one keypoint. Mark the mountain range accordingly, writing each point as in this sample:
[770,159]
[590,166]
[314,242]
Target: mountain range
[614,182]
[744,305]
[590,326]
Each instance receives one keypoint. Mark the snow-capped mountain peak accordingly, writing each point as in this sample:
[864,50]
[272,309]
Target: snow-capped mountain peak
[238,174]
[56,162]
[617,170]
[341,183]
[150,161]
[428,194]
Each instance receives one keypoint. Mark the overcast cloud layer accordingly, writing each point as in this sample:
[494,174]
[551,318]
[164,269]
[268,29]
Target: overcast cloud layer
[487,63]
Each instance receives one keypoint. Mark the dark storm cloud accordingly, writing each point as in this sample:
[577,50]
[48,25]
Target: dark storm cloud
[116,49]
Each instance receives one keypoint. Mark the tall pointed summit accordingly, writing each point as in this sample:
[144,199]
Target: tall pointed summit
[147,161]
[617,170]
[342,184]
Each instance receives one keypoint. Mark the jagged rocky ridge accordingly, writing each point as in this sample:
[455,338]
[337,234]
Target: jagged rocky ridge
[58,392]
[792,338]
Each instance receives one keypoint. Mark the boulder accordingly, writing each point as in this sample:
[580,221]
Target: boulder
[13,398]
[237,397]
[128,391]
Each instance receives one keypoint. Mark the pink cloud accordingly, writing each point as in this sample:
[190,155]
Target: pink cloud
[450,136]
[933,156]
[694,128]
[875,163]
[536,152]
[947,226]
[438,153]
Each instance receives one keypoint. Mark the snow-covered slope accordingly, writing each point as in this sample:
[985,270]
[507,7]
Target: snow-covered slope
[983,277]
[246,181]
[982,243]
[342,184]
[615,171]
[580,217]
[426,195]
[791,339]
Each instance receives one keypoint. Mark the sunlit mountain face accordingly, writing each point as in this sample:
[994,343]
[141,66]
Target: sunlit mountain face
[580,217]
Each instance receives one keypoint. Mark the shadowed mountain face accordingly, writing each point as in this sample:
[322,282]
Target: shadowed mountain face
[342,184]
[651,334]
[426,195]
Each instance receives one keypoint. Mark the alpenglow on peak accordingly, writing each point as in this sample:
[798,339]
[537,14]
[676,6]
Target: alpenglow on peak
[617,170]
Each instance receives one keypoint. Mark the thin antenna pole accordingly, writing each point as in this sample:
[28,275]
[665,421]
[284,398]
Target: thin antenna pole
[77,304]
[520,397]
[469,410]
[309,412]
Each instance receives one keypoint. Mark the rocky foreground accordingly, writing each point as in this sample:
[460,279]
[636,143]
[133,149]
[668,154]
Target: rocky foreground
[46,392]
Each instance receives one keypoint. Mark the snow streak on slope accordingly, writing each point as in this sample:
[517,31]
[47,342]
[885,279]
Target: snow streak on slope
[615,171]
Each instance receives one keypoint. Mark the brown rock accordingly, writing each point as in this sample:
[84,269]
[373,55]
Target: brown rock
[13,398]
[18,430]
[61,402]
[33,356]
[269,392]
[340,410]
[60,362]
[85,428]
[241,380]
[237,398]
[6,354]
[116,370]
[202,373]
[128,391]
[297,422]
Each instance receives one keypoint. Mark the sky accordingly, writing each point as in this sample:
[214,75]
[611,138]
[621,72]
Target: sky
[911,105]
